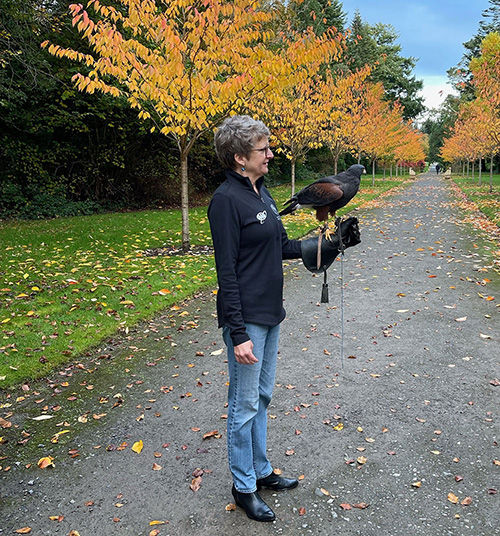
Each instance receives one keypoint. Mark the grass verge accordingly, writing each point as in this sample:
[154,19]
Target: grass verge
[67,284]
[483,200]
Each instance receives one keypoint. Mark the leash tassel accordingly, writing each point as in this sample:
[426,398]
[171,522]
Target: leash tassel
[324,290]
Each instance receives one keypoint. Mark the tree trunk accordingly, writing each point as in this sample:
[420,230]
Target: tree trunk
[373,172]
[293,177]
[359,157]
[391,171]
[480,179]
[185,201]
[491,173]
[473,176]
[335,154]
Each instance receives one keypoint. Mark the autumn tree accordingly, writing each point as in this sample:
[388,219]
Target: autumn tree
[486,80]
[410,149]
[374,134]
[294,118]
[476,132]
[486,71]
[474,135]
[342,106]
[461,74]
[184,65]
[458,145]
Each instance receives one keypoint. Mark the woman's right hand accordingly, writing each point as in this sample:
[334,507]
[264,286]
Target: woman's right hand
[244,354]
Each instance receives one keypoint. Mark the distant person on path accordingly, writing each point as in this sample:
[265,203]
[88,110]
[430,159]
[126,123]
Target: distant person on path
[250,244]
[438,168]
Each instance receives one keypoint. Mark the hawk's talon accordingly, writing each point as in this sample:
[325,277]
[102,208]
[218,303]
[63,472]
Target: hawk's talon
[328,233]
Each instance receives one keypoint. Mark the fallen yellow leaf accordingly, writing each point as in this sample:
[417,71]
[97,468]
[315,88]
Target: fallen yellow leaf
[48,461]
[138,446]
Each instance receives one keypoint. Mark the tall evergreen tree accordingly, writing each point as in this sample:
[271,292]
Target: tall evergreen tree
[437,125]
[318,14]
[361,47]
[491,18]
[377,45]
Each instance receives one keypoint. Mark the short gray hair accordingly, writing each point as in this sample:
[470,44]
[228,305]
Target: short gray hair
[237,135]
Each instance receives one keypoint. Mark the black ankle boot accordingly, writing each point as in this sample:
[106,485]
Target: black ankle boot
[255,508]
[277,483]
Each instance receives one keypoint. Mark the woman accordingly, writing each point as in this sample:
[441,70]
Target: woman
[250,243]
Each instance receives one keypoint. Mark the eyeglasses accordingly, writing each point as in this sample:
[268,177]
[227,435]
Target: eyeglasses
[263,150]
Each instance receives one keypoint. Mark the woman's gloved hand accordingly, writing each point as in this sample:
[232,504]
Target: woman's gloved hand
[349,231]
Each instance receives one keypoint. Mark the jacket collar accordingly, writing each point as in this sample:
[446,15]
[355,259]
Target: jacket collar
[234,175]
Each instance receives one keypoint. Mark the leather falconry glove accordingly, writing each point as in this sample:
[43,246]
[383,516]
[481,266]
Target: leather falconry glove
[330,249]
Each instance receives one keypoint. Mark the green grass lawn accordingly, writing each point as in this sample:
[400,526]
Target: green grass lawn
[487,202]
[66,284]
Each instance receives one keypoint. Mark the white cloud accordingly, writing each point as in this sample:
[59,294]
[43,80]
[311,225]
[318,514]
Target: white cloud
[435,90]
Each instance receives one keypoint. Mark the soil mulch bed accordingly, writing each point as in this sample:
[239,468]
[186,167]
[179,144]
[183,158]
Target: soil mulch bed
[171,251]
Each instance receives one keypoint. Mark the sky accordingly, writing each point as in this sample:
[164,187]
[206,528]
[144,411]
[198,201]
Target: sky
[433,31]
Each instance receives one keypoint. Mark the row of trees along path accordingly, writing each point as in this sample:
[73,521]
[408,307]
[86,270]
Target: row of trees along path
[186,66]
[476,131]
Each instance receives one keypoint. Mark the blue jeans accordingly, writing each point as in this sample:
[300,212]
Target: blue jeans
[249,394]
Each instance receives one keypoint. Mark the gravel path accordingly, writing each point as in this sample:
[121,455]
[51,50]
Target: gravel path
[400,440]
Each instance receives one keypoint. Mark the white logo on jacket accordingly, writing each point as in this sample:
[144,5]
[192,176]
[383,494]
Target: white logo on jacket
[261,216]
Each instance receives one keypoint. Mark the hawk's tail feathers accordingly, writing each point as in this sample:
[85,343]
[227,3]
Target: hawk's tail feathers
[292,204]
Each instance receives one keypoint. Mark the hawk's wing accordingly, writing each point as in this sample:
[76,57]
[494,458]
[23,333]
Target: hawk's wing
[319,194]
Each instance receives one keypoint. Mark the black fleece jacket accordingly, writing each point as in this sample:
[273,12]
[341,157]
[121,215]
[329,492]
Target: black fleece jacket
[250,243]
